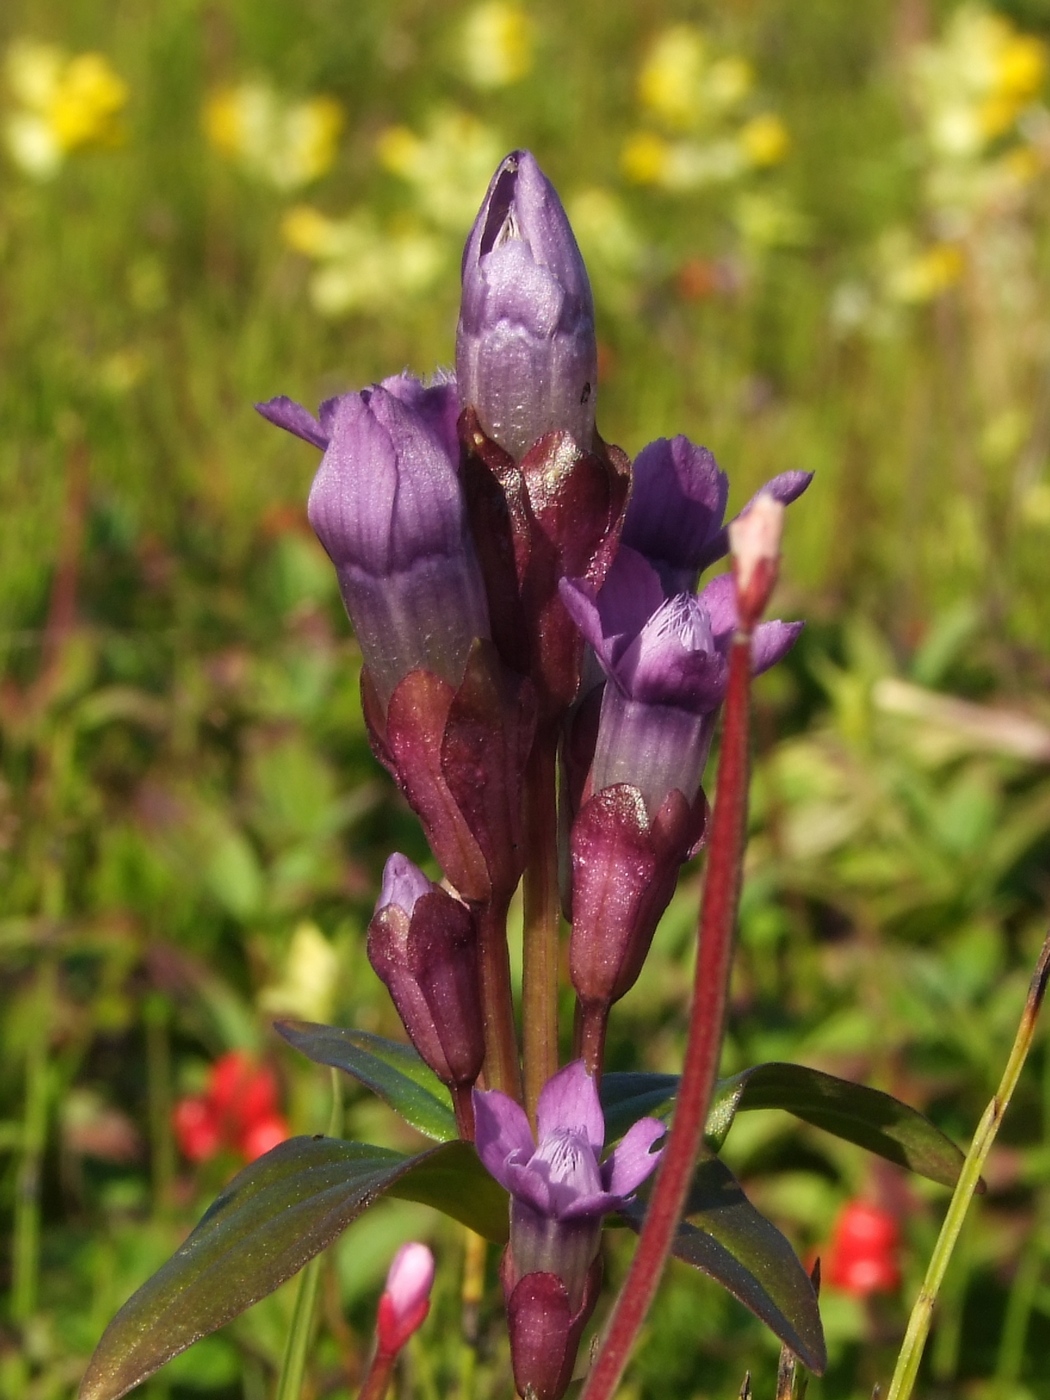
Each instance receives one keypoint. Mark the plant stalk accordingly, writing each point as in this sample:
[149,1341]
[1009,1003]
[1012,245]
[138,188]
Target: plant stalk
[542,902]
[25,1262]
[502,1068]
[300,1333]
[910,1356]
[711,989]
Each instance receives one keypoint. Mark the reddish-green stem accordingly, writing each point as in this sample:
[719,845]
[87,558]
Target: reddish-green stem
[592,1023]
[377,1381]
[714,960]
[542,916]
[502,1070]
[463,1105]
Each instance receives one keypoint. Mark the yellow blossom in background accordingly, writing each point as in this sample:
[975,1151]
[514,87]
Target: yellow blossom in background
[696,101]
[681,166]
[497,45]
[62,104]
[974,83]
[765,139]
[362,267]
[448,167]
[281,143]
[307,988]
[924,275]
[670,83]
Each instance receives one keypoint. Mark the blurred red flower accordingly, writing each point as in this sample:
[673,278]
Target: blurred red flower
[238,1110]
[863,1255]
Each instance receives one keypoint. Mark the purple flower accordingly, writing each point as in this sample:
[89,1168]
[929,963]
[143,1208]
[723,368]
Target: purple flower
[526,355]
[423,945]
[387,506]
[677,506]
[667,661]
[559,1189]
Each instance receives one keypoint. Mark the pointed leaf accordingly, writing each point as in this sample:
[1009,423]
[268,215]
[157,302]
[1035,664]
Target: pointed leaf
[628,1097]
[743,1251]
[270,1221]
[873,1120]
[394,1072]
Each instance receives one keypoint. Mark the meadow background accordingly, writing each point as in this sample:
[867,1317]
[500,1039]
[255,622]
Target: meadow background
[817,235]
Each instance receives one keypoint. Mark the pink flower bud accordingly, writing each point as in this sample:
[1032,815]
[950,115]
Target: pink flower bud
[754,539]
[406,1298]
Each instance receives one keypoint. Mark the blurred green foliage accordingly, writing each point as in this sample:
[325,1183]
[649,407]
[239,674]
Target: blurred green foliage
[191,825]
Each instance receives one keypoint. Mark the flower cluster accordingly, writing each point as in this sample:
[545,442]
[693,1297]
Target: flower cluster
[62,103]
[238,1111]
[525,599]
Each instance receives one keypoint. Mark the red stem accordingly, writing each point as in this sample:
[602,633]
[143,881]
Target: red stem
[711,989]
[378,1378]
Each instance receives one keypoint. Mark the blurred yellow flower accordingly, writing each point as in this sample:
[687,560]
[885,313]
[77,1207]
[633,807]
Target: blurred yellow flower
[283,144]
[64,104]
[681,165]
[923,276]
[311,970]
[497,45]
[671,78]
[645,157]
[362,267]
[974,83]
[448,167]
[765,139]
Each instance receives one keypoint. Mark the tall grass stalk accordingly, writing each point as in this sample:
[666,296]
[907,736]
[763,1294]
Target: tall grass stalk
[918,1330]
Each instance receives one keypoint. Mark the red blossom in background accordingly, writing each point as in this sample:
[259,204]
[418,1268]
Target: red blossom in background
[238,1111]
[863,1255]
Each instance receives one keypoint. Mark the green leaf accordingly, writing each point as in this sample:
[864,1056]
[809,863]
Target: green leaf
[394,1072]
[270,1221]
[628,1097]
[873,1120]
[737,1246]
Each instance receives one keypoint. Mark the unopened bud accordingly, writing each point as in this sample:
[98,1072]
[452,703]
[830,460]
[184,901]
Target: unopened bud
[406,1299]
[526,354]
[754,541]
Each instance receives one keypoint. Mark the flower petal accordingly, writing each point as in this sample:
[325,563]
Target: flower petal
[526,1184]
[293,418]
[501,1130]
[772,641]
[570,1100]
[678,499]
[632,1161]
[785,488]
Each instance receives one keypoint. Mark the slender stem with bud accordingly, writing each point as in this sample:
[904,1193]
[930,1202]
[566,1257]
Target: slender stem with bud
[755,549]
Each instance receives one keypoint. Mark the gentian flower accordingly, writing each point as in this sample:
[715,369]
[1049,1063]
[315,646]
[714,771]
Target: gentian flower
[559,1193]
[387,506]
[677,507]
[666,659]
[423,944]
[526,354]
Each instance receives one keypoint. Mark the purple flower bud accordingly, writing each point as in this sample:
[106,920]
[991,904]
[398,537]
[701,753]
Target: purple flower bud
[526,355]
[387,506]
[423,945]
[405,1302]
